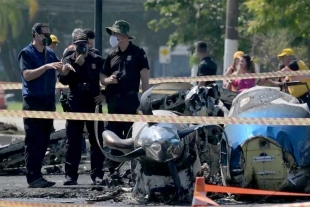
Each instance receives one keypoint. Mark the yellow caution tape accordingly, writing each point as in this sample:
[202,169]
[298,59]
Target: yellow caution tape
[12,85]
[152,118]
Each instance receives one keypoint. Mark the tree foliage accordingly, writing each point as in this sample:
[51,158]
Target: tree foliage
[268,46]
[192,20]
[274,14]
[284,22]
[193,60]
[11,16]
[199,20]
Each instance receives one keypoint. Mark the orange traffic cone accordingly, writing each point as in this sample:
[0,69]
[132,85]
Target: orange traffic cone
[200,199]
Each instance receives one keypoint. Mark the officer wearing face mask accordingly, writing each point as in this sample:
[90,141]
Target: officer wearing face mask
[91,38]
[124,67]
[81,73]
[38,64]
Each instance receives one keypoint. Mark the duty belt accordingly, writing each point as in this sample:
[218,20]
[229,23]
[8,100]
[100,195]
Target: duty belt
[124,94]
[119,95]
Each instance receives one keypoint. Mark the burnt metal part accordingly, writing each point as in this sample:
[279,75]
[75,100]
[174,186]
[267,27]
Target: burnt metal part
[12,155]
[167,102]
[269,157]
[167,152]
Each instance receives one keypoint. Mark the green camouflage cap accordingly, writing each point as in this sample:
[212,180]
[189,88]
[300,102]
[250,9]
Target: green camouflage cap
[120,27]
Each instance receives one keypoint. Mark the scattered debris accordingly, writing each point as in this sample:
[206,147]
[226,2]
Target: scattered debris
[10,129]
[104,197]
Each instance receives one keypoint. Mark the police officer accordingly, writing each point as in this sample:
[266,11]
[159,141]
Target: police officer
[124,67]
[70,49]
[38,65]
[81,72]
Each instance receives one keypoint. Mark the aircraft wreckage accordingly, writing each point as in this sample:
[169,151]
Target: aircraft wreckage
[167,157]
[266,157]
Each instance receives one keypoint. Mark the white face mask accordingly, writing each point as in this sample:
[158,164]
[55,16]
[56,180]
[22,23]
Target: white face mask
[113,41]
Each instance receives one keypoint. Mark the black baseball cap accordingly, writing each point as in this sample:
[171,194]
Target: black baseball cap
[80,37]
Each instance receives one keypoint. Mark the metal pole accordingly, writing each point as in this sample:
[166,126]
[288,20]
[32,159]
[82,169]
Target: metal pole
[164,70]
[231,39]
[98,25]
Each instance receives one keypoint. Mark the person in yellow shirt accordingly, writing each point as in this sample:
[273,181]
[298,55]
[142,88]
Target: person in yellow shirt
[290,63]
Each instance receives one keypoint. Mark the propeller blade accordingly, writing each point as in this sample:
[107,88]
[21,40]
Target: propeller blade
[123,158]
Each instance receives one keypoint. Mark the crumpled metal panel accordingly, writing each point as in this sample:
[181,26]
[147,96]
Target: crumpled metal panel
[263,103]
[165,102]
[258,96]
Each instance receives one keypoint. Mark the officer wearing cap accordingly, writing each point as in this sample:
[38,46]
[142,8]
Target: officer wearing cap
[55,42]
[38,65]
[124,67]
[91,38]
[82,74]
[291,63]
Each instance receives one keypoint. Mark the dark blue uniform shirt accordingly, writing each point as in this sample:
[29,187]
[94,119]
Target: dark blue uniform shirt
[207,67]
[43,86]
[84,83]
[128,64]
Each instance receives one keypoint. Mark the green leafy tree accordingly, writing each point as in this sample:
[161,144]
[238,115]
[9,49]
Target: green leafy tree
[277,15]
[268,46]
[198,20]
[192,20]
[11,16]
[193,60]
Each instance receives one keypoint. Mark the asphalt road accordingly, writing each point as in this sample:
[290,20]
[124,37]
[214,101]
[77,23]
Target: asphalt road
[14,188]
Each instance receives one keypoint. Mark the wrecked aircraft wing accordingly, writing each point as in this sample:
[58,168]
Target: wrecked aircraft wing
[12,155]
[262,156]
